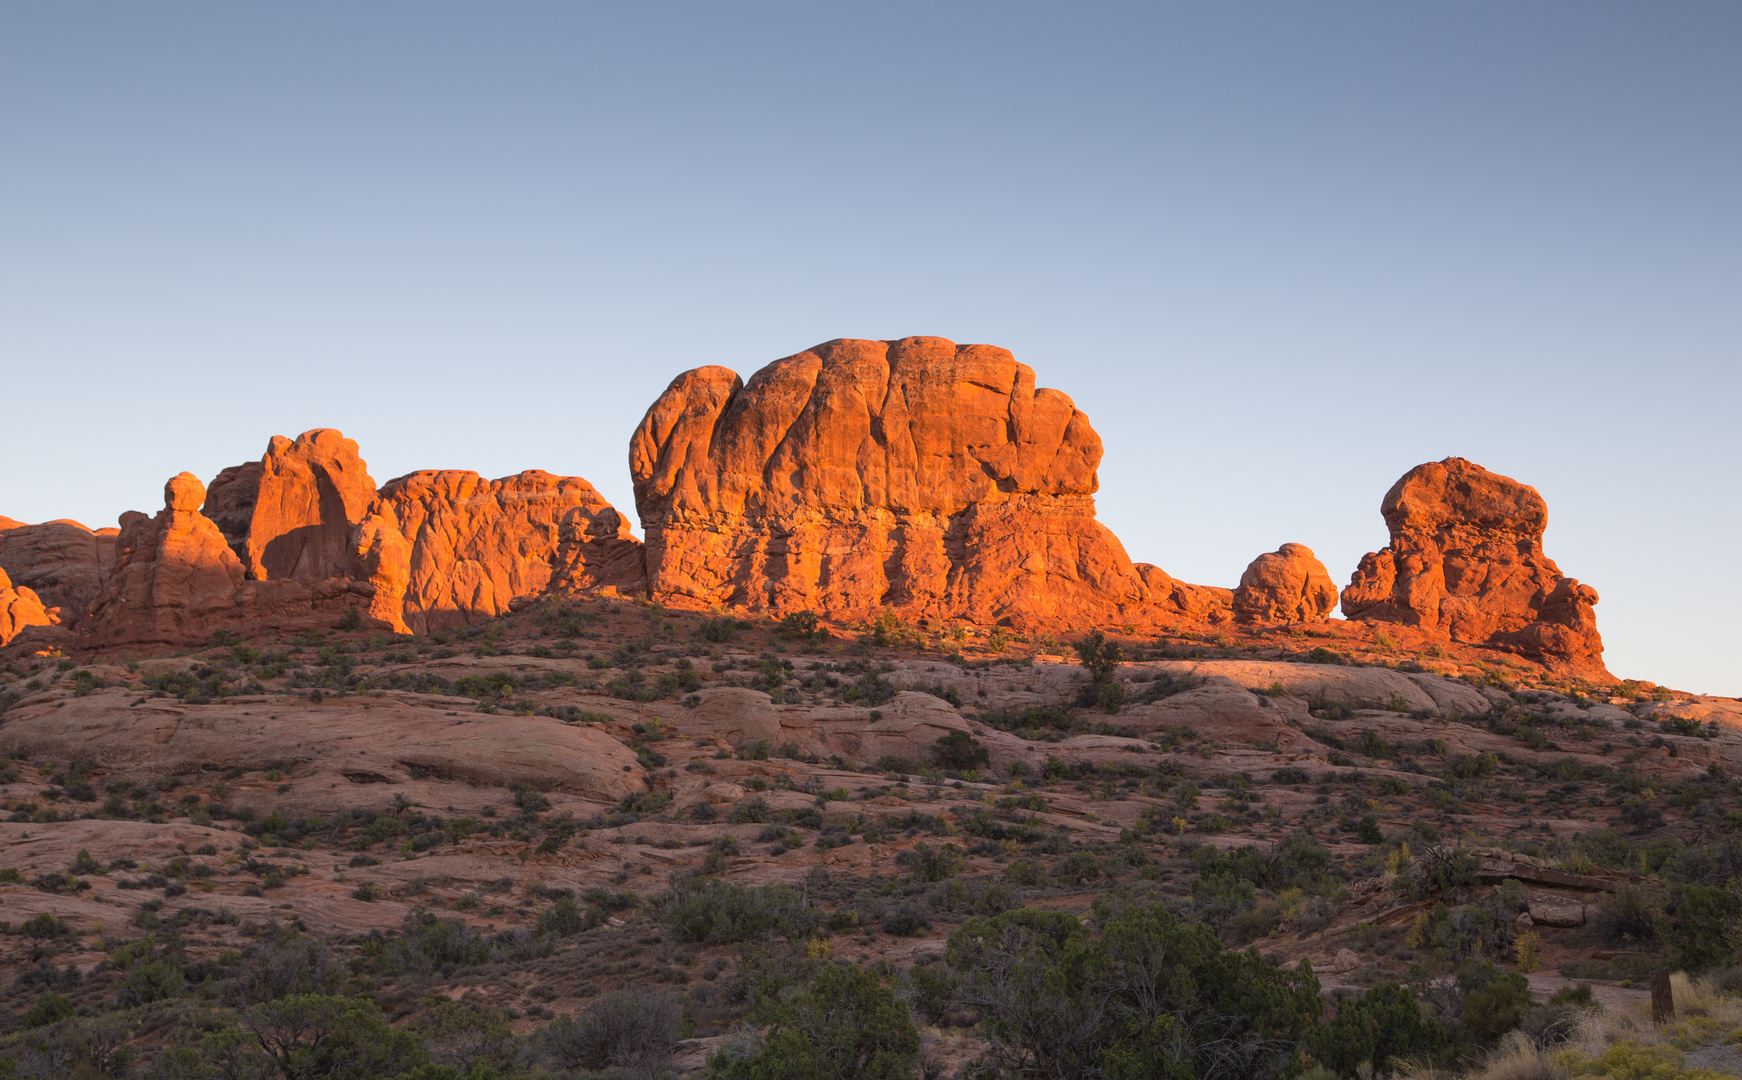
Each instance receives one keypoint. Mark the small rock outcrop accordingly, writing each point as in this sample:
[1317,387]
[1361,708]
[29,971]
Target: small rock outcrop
[1288,585]
[917,474]
[20,607]
[1466,560]
[63,562]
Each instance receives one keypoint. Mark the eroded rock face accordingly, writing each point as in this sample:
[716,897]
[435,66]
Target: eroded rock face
[310,496]
[63,562]
[914,474]
[20,607]
[1287,585]
[174,578]
[476,545]
[1466,560]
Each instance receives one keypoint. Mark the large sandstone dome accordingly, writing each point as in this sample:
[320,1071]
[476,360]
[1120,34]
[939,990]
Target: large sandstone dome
[917,474]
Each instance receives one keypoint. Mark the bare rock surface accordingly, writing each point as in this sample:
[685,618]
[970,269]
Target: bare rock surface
[476,546]
[919,475]
[1466,560]
[19,608]
[62,562]
[339,748]
[312,493]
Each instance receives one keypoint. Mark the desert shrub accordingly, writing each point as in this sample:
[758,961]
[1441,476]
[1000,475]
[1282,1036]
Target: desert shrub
[1494,1002]
[931,864]
[284,964]
[564,918]
[1384,1023]
[1704,927]
[1289,774]
[751,811]
[1077,868]
[719,912]
[844,1025]
[1629,914]
[959,751]
[147,981]
[318,1035]
[428,944]
[1137,993]
[1100,656]
[631,1031]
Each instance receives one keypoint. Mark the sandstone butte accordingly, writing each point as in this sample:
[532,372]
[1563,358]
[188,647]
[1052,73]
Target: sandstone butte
[1466,561]
[917,476]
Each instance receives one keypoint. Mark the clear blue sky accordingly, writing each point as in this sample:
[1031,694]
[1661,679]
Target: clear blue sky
[1279,253]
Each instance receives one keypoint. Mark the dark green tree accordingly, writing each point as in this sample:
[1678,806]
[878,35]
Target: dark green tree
[845,1025]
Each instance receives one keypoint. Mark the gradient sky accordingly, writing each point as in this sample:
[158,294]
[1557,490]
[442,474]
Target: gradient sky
[1279,253]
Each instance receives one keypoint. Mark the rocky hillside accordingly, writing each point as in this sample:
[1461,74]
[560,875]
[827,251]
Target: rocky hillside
[466,770]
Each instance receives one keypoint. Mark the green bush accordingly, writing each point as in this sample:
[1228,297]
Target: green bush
[1494,1002]
[1384,1023]
[844,1026]
[958,751]
[932,864]
[633,1031]
[1135,994]
[317,1035]
[718,912]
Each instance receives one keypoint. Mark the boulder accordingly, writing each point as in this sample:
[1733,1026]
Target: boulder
[1466,561]
[1288,585]
[19,607]
[476,545]
[917,475]
[1556,909]
[62,562]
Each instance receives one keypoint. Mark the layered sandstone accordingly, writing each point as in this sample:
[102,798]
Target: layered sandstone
[1287,585]
[475,545]
[1466,560]
[915,474]
[62,562]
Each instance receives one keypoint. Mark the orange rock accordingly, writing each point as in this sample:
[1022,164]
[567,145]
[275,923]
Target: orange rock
[174,579]
[1466,561]
[230,504]
[477,545]
[311,495]
[63,562]
[19,607]
[383,557]
[1286,586]
[860,475]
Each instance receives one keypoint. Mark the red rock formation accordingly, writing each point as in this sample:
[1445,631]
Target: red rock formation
[20,607]
[63,562]
[1286,586]
[230,500]
[174,579]
[1466,560]
[476,545]
[310,497]
[914,474]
